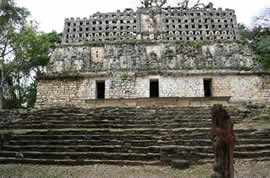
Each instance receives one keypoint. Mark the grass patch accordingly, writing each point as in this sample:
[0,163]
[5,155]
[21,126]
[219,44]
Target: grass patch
[261,121]
[260,124]
[242,170]
[101,171]
[31,171]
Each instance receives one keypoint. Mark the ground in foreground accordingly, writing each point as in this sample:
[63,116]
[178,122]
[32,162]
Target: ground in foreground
[244,169]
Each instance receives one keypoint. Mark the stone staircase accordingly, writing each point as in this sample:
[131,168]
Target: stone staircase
[114,118]
[83,147]
[195,145]
[136,136]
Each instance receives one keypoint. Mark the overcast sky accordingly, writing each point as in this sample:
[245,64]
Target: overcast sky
[50,14]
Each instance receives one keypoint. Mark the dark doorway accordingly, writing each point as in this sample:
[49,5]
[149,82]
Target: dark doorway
[207,84]
[154,89]
[100,89]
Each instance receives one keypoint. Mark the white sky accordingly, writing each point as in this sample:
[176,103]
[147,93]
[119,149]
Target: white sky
[50,14]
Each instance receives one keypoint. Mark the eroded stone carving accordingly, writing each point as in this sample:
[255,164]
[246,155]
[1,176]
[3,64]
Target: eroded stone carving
[159,55]
[223,141]
[151,3]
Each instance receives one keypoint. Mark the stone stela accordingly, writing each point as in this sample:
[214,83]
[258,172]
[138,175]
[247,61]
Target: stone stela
[223,141]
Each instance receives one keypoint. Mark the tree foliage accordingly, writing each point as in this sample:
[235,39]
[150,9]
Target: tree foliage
[24,54]
[189,4]
[259,38]
[12,19]
[30,59]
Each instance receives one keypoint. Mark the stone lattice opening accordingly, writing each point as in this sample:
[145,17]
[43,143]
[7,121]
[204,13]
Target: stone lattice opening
[100,89]
[154,89]
[207,84]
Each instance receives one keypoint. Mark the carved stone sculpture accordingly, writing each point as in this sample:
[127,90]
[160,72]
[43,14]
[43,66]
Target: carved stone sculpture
[223,142]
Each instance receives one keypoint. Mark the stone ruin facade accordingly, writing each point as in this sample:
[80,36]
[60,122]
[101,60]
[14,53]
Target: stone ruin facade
[152,52]
[171,24]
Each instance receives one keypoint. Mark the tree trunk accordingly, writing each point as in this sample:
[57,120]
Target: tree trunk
[2,78]
[1,96]
[1,83]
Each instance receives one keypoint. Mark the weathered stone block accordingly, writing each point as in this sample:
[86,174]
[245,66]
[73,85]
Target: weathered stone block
[180,164]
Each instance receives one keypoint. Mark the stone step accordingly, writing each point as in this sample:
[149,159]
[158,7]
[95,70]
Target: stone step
[123,121]
[91,121]
[83,148]
[194,135]
[83,131]
[141,111]
[14,160]
[241,141]
[199,157]
[75,126]
[100,123]
[186,149]
[92,132]
[97,142]
[81,125]
[106,126]
[254,159]
[254,147]
[83,155]
[208,142]
[86,137]
[58,115]
[192,156]
[127,111]
[239,133]
[106,141]
[104,120]
[252,154]
[178,134]
[193,142]
[188,125]
[168,110]
[252,136]
[189,130]
[209,149]
[96,113]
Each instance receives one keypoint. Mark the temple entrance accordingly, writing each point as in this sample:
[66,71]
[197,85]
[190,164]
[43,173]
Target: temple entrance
[154,89]
[207,84]
[100,86]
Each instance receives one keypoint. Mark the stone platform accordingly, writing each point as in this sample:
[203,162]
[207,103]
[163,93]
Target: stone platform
[116,135]
[151,102]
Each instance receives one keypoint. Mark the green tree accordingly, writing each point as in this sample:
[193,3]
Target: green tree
[12,19]
[24,53]
[261,44]
[259,38]
[30,59]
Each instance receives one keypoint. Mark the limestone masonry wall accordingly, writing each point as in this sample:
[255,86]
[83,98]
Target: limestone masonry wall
[130,85]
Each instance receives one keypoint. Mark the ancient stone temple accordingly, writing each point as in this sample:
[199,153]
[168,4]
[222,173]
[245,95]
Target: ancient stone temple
[153,52]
